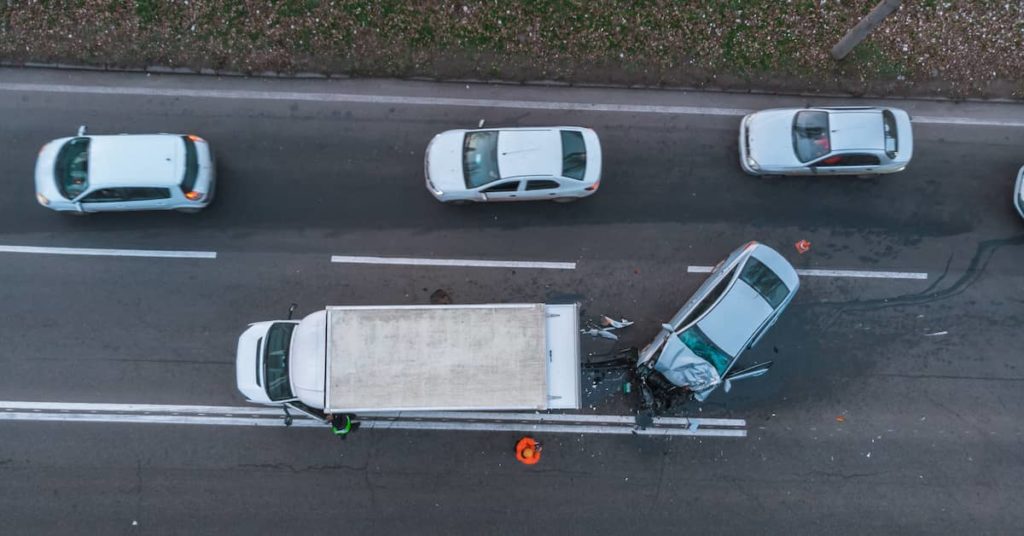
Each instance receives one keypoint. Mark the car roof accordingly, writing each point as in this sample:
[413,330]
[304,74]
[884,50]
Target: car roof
[742,310]
[735,317]
[530,152]
[856,130]
[155,160]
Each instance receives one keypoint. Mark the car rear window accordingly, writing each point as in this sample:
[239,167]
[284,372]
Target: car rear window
[765,282]
[574,155]
[72,168]
[480,158]
[188,182]
[810,135]
[892,145]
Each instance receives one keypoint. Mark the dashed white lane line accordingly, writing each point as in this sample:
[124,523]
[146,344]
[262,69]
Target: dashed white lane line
[862,274]
[475,263]
[438,101]
[111,252]
[464,421]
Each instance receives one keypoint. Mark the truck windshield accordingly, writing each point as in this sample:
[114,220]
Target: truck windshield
[275,361]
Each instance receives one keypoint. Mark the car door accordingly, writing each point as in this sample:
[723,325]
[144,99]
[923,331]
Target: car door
[125,198]
[103,200]
[507,190]
[847,164]
[541,188]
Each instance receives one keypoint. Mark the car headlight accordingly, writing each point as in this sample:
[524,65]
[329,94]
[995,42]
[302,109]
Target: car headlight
[42,199]
[752,164]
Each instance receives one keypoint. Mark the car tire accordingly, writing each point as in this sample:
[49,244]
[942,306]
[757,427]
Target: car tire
[458,202]
[770,176]
[565,199]
[188,210]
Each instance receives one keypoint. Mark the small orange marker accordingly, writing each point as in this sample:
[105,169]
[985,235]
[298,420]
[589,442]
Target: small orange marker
[528,450]
[803,246]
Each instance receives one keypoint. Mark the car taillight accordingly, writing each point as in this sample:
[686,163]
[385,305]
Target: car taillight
[194,196]
[594,187]
[193,137]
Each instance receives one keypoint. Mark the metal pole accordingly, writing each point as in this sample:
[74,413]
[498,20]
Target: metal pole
[864,27]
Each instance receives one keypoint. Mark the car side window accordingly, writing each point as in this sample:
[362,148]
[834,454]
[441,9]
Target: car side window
[541,185]
[710,299]
[510,186]
[145,194]
[848,160]
[105,195]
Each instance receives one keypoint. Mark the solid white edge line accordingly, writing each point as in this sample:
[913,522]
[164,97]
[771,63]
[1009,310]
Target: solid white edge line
[474,263]
[374,99]
[863,274]
[437,101]
[224,411]
[110,252]
[382,425]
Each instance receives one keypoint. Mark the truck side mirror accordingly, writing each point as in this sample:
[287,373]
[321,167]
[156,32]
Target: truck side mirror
[291,310]
[82,130]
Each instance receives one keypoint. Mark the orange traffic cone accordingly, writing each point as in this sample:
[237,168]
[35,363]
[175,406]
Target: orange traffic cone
[803,246]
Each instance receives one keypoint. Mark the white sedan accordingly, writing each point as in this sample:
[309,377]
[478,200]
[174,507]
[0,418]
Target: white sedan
[1018,193]
[851,140]
[85,173]
[513,164]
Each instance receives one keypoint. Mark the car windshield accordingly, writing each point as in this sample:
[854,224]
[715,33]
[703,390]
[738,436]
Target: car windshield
[72,168]
[574,155]
[765,282]
[700,344]
[810,135]
[480,158]
[275,361]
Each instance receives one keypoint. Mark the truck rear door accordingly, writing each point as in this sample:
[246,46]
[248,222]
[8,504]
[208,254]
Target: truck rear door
[563,349]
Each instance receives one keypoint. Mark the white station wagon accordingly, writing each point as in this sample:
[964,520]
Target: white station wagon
[560,164]
[125,172]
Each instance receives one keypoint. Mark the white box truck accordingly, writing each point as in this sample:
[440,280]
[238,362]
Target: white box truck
[350,359]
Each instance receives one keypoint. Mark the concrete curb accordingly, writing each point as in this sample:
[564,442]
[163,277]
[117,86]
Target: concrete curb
[307,75]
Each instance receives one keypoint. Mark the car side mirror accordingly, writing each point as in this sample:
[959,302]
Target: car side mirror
[82,130]
[291,310]
[727,386]
[668,327]
[483,196]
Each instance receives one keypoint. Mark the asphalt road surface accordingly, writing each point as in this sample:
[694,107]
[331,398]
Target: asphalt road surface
[895,404]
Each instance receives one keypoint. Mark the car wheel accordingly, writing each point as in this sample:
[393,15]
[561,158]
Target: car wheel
[73,213]
[188,210]
[458,202]
[564,199]
[771,177]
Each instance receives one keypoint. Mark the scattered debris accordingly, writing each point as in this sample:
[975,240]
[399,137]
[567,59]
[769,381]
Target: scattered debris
[840,418]
[802,246]
[606,333]
[936,334]
[607,321]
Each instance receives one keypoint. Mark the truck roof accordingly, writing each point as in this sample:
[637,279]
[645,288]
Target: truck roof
[433,357]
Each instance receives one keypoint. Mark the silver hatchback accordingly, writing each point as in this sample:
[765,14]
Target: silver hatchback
[826,141]
[85,173]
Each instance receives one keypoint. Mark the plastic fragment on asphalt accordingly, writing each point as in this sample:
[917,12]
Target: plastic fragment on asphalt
[606,333]
[936,334]
[615,324]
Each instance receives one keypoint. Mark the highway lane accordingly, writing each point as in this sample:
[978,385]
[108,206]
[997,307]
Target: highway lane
[942,409]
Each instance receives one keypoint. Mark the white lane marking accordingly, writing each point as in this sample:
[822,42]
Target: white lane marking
[276,411]
[436,101]
[409,261]
[552,417]
[383,425]
[111,252]
[965,121]
[864,274]
[373,99]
